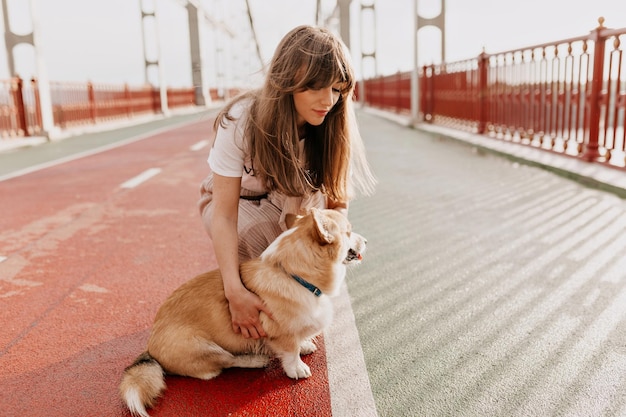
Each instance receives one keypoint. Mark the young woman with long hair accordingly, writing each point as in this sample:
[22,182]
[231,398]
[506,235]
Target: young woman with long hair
[283,148]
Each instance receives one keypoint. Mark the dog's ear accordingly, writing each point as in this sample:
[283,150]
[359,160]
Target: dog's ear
[323,226]
[290,219]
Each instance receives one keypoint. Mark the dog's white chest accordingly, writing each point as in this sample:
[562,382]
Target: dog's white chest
[324,313]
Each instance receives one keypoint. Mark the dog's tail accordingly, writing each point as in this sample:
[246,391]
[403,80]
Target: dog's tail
[142,383]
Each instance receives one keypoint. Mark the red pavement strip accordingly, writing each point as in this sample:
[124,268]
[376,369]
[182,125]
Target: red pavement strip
[88,263]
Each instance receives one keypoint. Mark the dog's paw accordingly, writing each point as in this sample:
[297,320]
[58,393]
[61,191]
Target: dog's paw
[296,369]
[307,347]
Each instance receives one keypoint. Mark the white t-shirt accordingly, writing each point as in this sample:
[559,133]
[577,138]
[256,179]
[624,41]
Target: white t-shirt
[230,156]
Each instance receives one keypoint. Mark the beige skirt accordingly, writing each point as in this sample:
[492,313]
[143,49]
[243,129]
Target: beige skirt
[261,217]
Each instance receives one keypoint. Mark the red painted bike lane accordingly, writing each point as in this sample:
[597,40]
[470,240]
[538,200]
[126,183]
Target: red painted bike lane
[85,265]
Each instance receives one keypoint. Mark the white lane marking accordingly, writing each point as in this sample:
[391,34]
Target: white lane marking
[200,145]
[141,178]
[3,258]
[350,389]
[92,288]
[95,151]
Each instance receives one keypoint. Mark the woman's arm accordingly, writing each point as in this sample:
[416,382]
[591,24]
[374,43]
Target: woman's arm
[244,305]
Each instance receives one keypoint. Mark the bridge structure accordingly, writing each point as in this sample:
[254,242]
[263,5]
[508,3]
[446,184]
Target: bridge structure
[494,283]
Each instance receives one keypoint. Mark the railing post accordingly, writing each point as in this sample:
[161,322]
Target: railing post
[128,100]
[590,150]
[156,100]
[92,102]
[37,124]
[483,77]
[398,92]
[425,109]
[18,100]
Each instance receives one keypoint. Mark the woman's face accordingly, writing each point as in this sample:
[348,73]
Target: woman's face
[313,105]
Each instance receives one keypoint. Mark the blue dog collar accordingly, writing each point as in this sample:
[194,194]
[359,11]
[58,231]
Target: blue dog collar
[316,291]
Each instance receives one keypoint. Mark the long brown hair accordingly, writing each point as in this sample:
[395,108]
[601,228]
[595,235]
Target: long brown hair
[307,57]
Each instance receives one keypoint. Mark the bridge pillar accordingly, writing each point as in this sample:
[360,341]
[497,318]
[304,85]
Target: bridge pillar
[35,39]
[439,22]
[368,49]
[156,61]
[197,76]
[368,8]
[343,6]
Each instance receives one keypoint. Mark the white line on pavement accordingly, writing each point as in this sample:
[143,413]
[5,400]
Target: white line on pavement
[141,178]
[90,152]
[200,145]
[350,389]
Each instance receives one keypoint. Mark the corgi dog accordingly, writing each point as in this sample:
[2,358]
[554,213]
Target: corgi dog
[192,333]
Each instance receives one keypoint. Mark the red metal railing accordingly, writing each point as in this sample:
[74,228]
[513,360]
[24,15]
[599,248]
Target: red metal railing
[567,96]
[391,92]
[79,103]
[18,109]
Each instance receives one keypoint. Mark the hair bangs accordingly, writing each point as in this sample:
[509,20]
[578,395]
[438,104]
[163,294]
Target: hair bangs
[325,68]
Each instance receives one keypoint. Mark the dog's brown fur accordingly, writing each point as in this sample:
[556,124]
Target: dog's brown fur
[192,333]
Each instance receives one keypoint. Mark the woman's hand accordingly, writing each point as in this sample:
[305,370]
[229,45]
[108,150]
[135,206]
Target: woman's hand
[245,307]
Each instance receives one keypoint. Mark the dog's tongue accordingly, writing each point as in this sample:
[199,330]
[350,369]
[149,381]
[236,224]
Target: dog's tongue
[359,256]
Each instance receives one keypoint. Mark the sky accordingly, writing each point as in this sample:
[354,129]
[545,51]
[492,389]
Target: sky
[101,40]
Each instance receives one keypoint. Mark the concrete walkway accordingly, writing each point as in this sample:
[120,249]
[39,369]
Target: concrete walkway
[490,287]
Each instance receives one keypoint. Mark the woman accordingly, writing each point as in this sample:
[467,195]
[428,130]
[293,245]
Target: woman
[288,146]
